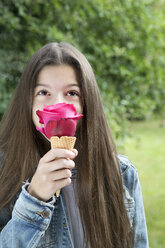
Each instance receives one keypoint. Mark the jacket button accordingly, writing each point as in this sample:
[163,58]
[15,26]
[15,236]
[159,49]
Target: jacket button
[45,214]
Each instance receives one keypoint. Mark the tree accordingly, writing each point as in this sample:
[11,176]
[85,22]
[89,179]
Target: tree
[122,39]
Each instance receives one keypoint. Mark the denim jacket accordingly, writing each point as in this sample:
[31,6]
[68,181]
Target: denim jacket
[35,223]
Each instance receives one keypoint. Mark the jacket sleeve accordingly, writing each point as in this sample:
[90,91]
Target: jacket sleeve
[139,222]
[134,202]
[30,219]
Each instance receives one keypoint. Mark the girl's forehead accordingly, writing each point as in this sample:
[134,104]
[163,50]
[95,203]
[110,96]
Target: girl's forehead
[58,70]
[61,74]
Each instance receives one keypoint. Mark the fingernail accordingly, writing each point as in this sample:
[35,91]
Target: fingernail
[73,154]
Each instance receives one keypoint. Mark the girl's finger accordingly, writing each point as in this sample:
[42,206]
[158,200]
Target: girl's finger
[61,174]
[59,164]
[75,152]
[59,184]
[57,153]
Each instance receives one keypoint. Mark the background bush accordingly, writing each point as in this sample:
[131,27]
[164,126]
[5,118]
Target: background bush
[122,39]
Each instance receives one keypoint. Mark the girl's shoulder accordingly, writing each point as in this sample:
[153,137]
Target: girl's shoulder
[125,165]
[129,174]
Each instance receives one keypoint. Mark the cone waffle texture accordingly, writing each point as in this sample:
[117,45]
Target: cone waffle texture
[64,142]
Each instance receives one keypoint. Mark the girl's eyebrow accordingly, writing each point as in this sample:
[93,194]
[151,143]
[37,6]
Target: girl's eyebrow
[43,85]
[71,85]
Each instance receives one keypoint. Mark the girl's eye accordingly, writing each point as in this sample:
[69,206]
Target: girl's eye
[43,93]
[72,93]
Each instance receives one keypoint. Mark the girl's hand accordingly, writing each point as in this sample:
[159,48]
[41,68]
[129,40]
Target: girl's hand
[53,173]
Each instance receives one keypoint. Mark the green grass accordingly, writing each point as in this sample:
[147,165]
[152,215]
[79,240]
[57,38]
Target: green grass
[146,150]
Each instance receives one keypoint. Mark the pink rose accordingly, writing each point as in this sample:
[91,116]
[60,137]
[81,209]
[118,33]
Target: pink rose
[59,120]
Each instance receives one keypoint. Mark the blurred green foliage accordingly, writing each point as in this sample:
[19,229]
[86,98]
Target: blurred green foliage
[122,39]
[145,149]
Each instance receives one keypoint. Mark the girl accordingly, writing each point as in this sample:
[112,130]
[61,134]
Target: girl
[100,204]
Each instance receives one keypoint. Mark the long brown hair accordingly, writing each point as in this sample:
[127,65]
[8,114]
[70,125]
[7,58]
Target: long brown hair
[99,188]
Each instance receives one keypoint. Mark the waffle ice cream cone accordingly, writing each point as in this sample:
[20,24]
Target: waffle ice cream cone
[64,142]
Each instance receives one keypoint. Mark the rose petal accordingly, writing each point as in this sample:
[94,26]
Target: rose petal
[59,120]
[62,127]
